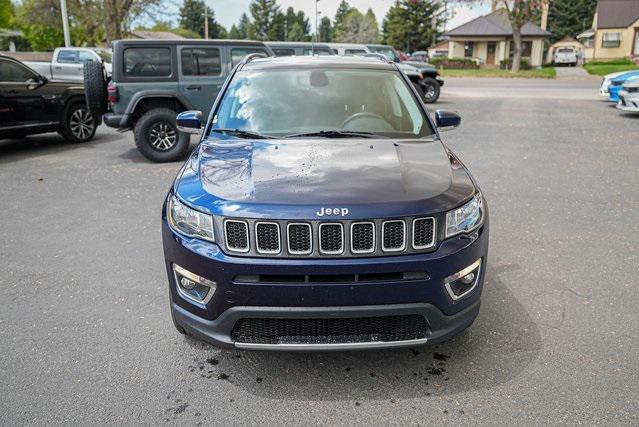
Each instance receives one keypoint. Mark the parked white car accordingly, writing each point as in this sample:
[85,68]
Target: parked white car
[349,49]
[629,96]
[565,55]
[603,90]
[67,63]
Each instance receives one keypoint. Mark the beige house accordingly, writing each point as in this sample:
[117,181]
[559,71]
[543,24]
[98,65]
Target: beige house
[615,31]
[489,40]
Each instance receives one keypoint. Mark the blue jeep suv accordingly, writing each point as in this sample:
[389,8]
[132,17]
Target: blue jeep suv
[321,211]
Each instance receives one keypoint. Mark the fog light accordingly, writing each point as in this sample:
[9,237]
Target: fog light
[463,282]
[193,287]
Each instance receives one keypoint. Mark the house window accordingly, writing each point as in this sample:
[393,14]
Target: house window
[526,49]
[611,40]
[587,42]
[468,49]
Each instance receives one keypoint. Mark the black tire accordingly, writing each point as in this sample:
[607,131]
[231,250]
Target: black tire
[430,88]
[95,89]
[157,137]
[79,125]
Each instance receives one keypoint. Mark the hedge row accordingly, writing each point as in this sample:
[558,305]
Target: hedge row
[454,63]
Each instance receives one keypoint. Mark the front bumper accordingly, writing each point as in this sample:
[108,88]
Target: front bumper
[234,300]
[627,102]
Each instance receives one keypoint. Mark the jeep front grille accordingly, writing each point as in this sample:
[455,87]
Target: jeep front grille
[328,239]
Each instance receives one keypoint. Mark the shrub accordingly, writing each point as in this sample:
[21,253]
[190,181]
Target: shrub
[524,64]
[454,63]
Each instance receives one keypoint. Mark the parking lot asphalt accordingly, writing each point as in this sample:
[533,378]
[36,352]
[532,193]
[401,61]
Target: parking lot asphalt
[86,335]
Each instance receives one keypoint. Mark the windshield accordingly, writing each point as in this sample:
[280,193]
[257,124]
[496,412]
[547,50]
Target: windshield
[388,52]
[281,103]
[105,55]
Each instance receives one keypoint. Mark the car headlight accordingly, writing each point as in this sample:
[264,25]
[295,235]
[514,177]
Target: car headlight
[190,222]
[465,218]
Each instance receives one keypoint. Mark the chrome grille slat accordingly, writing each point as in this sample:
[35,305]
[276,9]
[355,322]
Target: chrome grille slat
[236,235]
[394,235]
[423,233]
[299,238]
[331,238]
[267,237]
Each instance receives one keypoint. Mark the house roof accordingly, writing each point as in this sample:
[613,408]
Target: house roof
[158,35]
[617,13]
[494,24]
[440,45]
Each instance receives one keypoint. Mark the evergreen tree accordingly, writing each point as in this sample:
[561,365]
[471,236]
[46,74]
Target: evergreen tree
[234,33]
[295,33]
[413,24]
[6,12]
[266,17]
[325,30]
[243,26]
[340,17]
[278,27]
[568,18]
[192,18]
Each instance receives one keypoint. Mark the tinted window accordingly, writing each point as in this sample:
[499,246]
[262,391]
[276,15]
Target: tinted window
[147,62]
[14,72]
[388,52]
[86,56]
[201,62]
[355,52]
[319,51]
[68,56]
[276,103]
[283,52]
[238,53]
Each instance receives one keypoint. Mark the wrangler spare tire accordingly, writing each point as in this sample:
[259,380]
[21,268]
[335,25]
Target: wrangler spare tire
[95,89]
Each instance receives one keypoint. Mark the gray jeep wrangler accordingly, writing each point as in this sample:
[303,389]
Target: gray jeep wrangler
[153,80]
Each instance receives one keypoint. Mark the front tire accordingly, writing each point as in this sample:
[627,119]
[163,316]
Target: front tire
[430,88]
[157,136]
[79,125]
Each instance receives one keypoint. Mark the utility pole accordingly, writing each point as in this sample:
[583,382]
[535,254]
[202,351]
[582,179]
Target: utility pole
[206,22]
[65,23]
[316,32]
[319,35]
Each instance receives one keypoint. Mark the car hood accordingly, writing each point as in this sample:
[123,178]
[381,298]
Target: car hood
[293,178]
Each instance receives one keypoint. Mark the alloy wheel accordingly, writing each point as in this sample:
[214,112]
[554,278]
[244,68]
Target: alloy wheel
[81,124]
[162,136]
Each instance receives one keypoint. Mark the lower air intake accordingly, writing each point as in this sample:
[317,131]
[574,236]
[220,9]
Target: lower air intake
[330,331]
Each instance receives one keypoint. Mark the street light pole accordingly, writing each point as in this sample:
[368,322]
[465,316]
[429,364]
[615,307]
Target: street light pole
[65,23]
[316,33]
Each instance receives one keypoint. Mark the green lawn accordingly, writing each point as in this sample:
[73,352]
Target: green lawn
[603,68]
[543,73]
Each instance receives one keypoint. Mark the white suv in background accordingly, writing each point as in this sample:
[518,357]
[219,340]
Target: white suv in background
[565,55]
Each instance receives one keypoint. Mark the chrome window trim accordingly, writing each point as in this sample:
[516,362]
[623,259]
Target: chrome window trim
[279,238]
[432,241]
[248,238]
[374,238]
[288,239]
[403,247]
[319,231]
[462,273]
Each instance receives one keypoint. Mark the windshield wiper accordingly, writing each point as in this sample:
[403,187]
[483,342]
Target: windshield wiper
[337,134]
[241,133]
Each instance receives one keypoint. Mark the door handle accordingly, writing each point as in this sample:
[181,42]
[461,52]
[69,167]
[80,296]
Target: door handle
[58,68]
[193,87]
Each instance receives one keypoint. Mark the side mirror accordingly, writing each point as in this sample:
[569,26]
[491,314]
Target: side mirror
[446,120]
[35,82]
[189,121]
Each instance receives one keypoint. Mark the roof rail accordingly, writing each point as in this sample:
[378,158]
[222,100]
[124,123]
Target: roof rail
[251,56]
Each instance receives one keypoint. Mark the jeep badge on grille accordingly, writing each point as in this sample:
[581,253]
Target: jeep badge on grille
[332,211]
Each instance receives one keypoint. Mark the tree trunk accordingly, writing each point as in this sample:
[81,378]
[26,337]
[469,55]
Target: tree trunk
[112,21]
[517,55]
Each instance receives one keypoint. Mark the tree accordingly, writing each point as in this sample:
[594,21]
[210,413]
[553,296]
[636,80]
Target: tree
[192,18]
[266,20]
[243,26]
[234,33]
[296,33]
[567,18]
[325,30]
[118,14]
[340,16]
[413,24]
[518,13]
[6,12]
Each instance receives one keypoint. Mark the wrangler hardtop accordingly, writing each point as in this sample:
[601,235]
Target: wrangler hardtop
[153,80]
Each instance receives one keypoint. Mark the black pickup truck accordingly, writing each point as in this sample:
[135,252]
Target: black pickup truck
[31,104]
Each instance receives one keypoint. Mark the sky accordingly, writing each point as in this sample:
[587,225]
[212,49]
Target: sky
[228,12]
